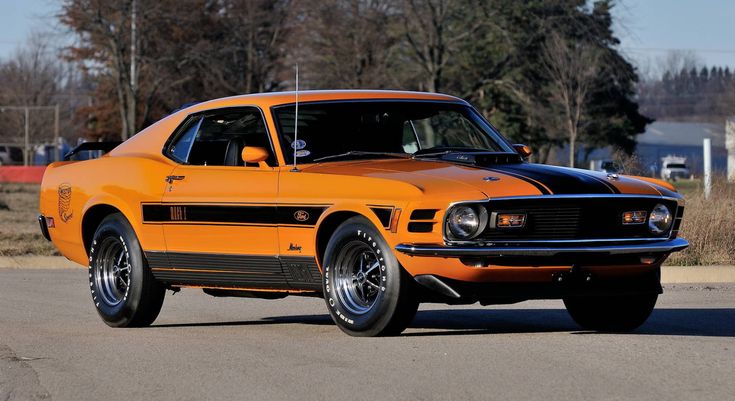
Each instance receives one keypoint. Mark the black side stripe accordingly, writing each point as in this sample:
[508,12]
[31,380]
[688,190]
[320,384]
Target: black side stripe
[233,214]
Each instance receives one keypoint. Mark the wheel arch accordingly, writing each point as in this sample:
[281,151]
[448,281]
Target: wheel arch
[333,218]
[92,218]
[327,227]
[95,210]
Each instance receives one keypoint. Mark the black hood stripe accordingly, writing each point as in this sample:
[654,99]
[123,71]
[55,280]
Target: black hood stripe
[612,187]
[559,180]
[541,187]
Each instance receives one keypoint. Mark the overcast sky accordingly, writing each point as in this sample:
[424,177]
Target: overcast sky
[647,28]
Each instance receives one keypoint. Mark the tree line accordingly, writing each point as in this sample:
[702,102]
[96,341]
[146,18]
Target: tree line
[690,93]
[546,72]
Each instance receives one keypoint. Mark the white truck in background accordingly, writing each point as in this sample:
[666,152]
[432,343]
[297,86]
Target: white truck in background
[674,168]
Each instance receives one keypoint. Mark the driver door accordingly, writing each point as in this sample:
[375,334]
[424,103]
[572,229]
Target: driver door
[219,214]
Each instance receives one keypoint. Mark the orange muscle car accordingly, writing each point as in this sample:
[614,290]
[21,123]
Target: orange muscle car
[374,200]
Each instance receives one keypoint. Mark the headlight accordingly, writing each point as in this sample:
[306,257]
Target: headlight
[659,221]
[466,222]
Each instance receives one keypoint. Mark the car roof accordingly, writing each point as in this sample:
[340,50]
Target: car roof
[269,99]
[152,139]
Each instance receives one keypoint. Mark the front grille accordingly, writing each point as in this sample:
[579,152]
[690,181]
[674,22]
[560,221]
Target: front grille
[426,220]
[550,218]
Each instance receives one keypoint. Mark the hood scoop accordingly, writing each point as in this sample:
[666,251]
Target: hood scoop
[482,159]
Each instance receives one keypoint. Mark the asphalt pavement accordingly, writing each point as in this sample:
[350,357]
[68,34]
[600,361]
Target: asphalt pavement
[54,346]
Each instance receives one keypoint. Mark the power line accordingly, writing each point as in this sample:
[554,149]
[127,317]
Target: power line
[671,49]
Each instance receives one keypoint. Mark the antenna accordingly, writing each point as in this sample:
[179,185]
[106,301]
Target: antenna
[294,145]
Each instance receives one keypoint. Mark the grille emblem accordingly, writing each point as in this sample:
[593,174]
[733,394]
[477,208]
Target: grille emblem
[301,215]
[491,178]
[613,177]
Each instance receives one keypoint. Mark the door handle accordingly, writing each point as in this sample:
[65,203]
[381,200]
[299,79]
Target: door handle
[171,178]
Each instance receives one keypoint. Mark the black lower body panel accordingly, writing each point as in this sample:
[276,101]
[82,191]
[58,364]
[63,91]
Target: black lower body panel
[235,271]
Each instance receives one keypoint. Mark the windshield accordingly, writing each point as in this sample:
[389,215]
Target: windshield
[676,165]
[374,129]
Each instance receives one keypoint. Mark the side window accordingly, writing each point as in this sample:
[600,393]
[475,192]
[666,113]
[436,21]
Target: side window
[219,138]
[182,146]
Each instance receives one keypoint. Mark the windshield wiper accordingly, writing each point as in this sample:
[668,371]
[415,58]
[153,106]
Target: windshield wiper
[362,153]
[441,151]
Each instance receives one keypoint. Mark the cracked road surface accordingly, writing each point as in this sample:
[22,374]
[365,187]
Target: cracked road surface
[54,346]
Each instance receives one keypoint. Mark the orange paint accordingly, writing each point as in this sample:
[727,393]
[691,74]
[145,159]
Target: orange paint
[135,174]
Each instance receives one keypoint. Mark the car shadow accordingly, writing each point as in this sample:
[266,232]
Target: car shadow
[703,322]
[677,322]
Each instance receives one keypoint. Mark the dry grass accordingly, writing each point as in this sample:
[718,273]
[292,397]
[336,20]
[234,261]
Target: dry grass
[19,231]
[709,224]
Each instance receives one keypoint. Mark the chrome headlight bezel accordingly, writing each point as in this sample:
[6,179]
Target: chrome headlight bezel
[660,219]
[453,231]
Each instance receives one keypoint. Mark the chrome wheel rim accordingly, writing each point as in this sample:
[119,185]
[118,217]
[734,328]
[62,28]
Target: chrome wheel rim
[112,271]
[359,277]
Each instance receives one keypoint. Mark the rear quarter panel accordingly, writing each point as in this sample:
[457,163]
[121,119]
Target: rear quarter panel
[70,189]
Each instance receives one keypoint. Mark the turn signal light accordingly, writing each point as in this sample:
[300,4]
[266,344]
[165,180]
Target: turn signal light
[636,217]
[648,260]
[510,220]
[394,221]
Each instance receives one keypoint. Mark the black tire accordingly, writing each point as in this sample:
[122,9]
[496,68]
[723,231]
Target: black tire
[611,313]
[355,304]
[123,288]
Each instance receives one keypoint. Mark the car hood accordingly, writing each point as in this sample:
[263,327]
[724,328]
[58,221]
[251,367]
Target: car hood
[495,180]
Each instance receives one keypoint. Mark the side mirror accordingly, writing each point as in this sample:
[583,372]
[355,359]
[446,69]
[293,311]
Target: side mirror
[524,150]
[252,154]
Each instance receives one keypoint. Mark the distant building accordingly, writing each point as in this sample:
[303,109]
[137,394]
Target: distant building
[664,138]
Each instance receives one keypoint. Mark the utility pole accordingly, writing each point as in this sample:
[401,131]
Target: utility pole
[730,145]
[133,68]
[707,145]
[57,145]
[133,39]
[27,142]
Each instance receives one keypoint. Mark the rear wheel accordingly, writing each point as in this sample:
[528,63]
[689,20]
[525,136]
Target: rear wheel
[123,288]
[367,291]
[611,313]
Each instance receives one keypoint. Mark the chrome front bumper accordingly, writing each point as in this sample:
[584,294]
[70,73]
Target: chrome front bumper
[447,251]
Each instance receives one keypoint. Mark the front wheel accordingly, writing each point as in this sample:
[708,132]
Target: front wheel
[367,291]
[123,288]
[611,313]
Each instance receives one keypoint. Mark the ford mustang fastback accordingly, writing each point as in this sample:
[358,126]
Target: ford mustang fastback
[374,200]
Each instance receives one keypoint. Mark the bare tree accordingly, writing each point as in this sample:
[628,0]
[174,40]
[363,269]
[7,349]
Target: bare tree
[31,77]
[678,60]
[572,69]
[433,30]
[360,55]
[104,31]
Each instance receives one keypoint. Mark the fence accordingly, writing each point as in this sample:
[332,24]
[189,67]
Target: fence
[31,134]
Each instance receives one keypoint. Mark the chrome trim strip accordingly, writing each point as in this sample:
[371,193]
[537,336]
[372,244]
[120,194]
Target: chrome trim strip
[587,196]
[455,252]
[558,241]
